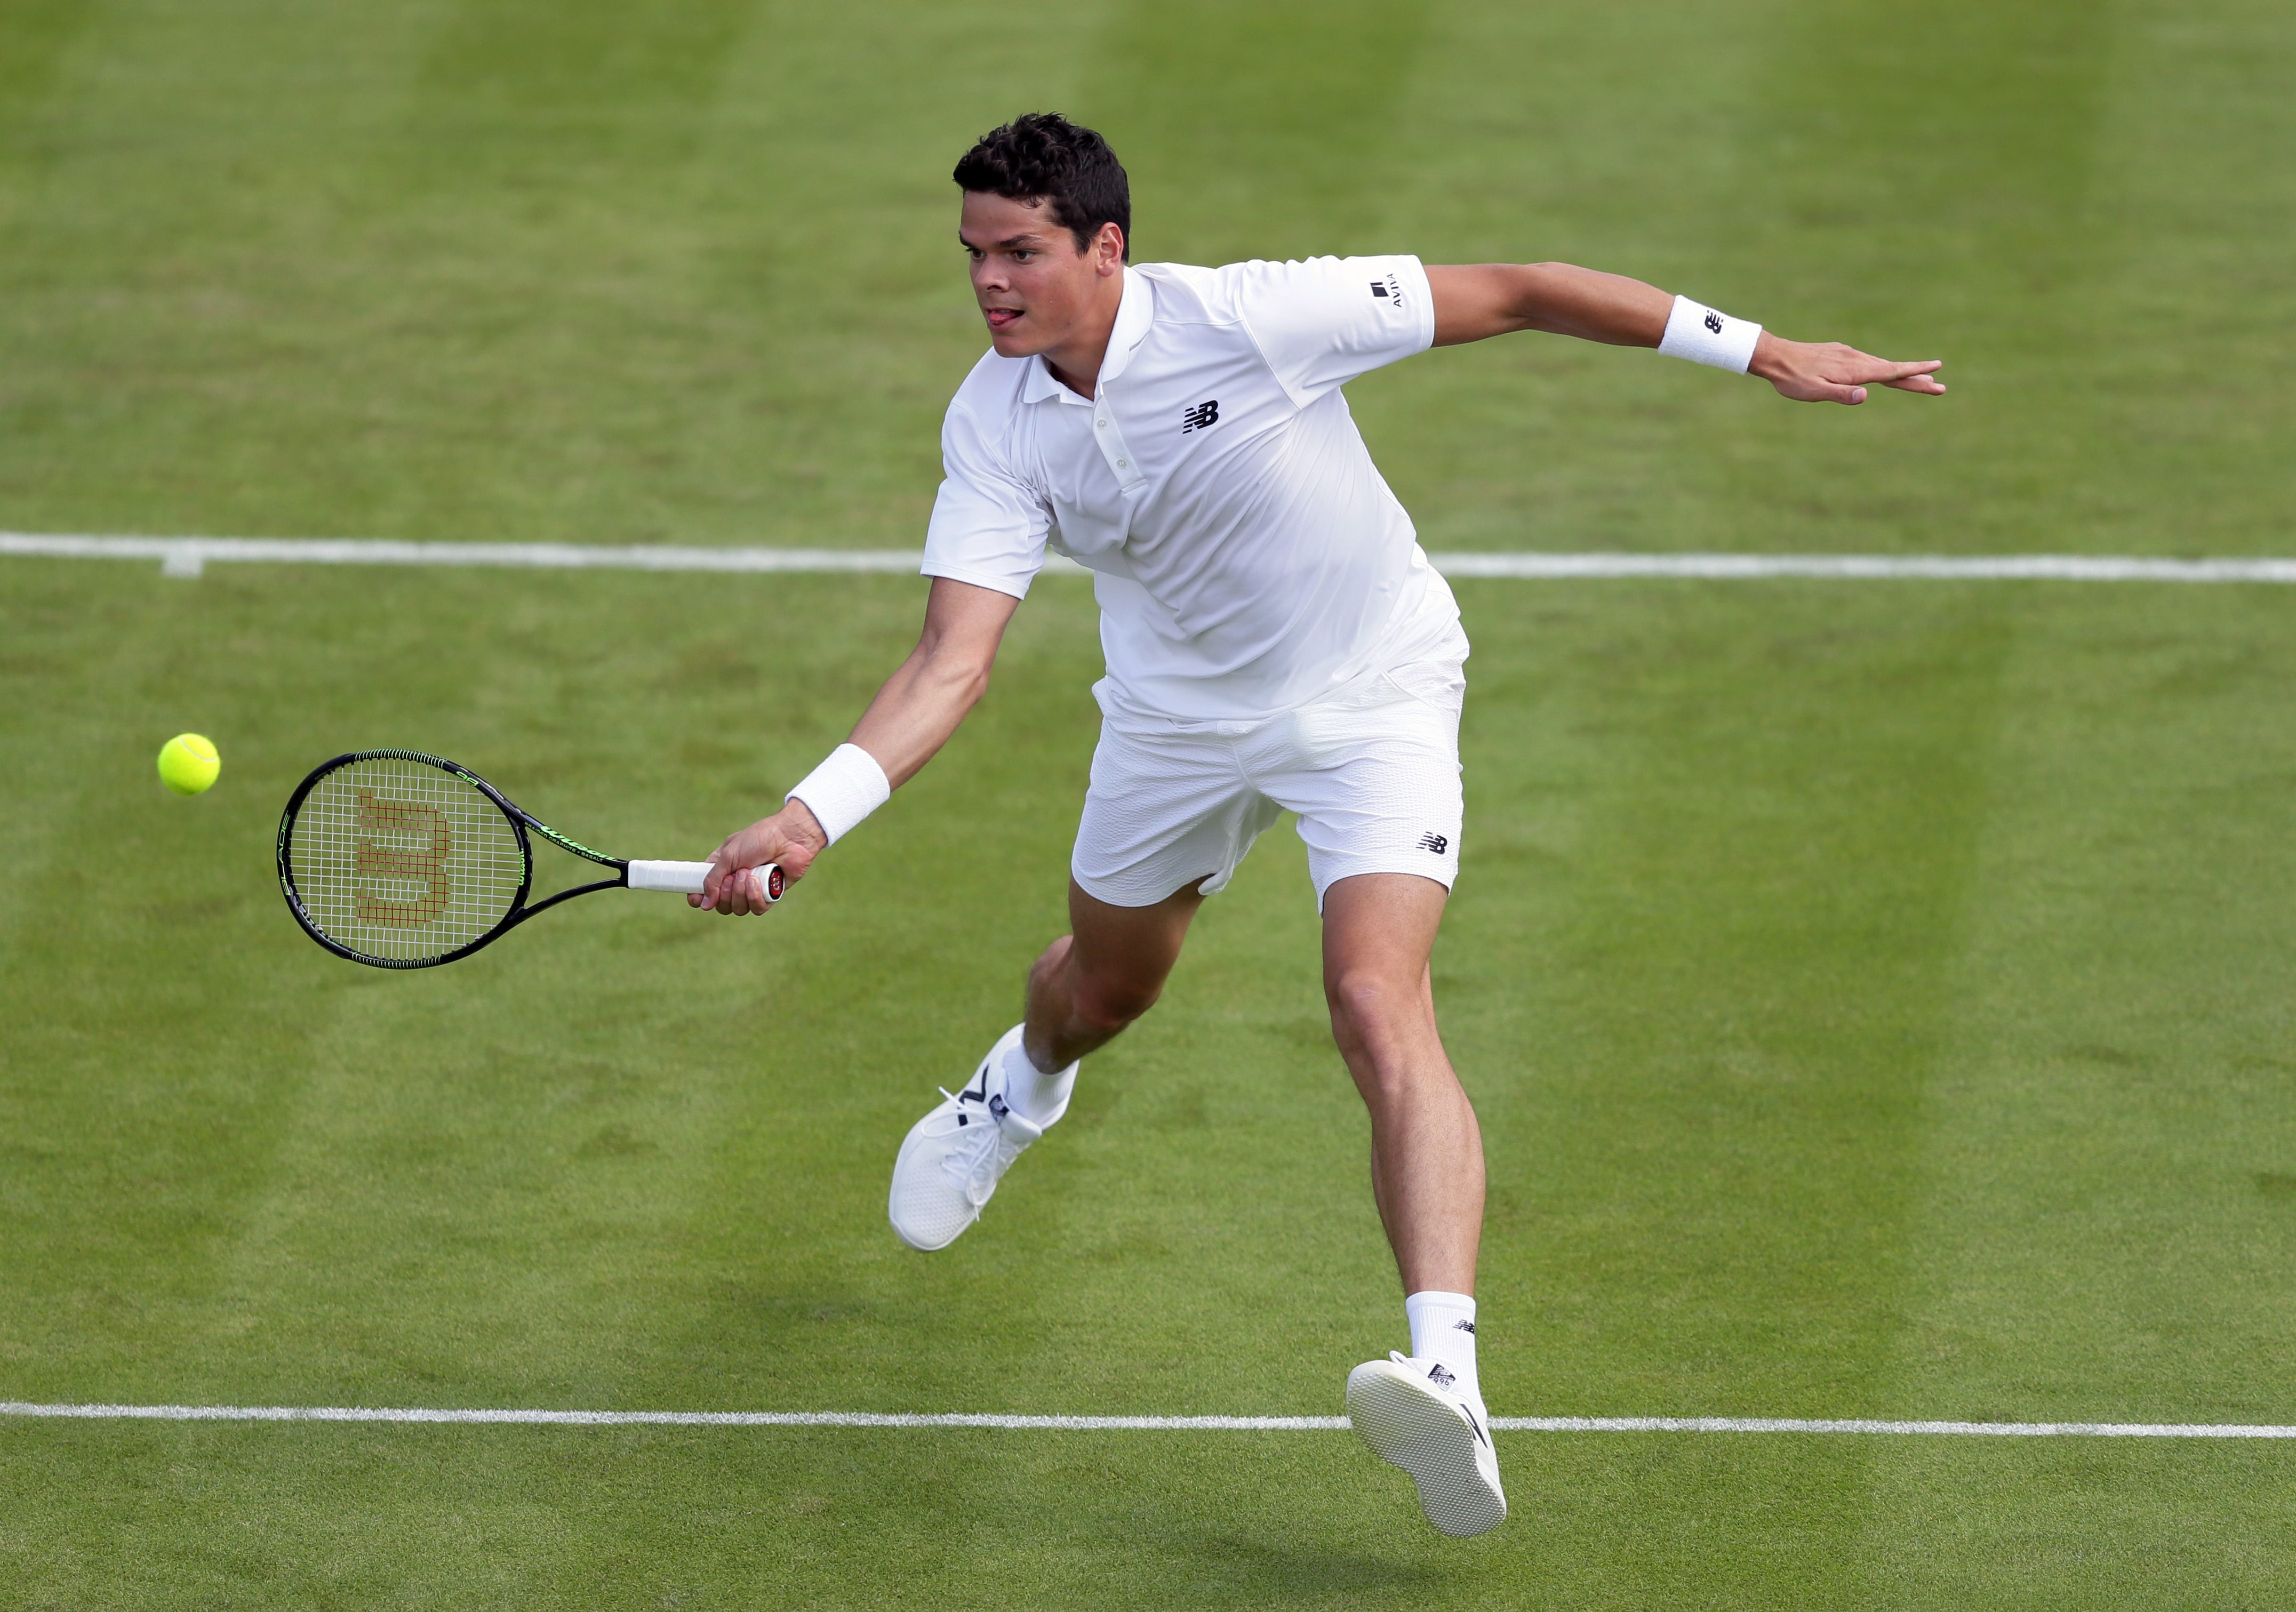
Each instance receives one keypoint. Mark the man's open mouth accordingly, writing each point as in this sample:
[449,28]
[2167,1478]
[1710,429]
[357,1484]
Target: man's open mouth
[1001,318]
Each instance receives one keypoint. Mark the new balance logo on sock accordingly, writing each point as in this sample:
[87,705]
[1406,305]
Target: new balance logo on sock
[1463,1326]
[1440,1378]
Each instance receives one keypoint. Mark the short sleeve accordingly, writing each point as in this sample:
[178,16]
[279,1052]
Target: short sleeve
[988,528]
[1322,322]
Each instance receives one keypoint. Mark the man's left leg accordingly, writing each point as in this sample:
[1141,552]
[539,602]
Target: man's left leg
[1423,1411]
[1426,1151]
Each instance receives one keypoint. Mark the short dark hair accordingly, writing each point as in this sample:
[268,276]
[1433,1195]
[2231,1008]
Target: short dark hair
[1044,155]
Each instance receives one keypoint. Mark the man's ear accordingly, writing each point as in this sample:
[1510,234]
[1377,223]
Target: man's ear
[1108,249]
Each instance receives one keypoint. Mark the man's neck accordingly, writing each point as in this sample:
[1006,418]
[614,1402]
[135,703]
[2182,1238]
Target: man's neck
[1076,362]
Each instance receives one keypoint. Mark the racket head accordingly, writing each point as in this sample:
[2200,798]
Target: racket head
[400,860]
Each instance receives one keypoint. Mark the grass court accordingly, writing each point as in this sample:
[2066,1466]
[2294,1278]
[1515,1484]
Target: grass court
[1876,994]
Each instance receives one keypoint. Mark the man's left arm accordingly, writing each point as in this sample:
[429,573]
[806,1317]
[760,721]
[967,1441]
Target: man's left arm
[1476,301]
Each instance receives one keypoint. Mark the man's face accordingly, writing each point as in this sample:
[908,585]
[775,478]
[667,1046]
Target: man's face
[1036,289]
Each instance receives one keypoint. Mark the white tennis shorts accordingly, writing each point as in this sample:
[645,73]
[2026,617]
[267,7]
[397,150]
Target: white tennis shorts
[1373,775]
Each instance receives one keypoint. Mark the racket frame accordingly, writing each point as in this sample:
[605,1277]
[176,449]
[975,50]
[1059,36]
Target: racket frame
[520,823]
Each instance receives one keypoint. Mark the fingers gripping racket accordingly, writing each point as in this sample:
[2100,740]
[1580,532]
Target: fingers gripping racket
[402,861]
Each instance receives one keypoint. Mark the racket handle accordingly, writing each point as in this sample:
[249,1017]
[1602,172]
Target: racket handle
[685,878]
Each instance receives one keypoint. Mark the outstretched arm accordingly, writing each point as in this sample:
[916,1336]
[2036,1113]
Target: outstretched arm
[912,716]
[1475,301]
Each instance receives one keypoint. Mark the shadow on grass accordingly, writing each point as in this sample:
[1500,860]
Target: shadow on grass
[1239,1570]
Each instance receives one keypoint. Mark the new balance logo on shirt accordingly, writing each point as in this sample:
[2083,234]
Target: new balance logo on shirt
[1197,418]
[1438,843]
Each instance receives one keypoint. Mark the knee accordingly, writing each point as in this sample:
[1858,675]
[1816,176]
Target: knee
[1385,1028]
[1102,1002]
[1108,1003]
[1370,1009]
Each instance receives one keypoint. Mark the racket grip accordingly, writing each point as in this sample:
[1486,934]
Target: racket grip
[685,878]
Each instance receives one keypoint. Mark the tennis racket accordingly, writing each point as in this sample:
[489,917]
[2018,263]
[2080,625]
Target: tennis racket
[400,860]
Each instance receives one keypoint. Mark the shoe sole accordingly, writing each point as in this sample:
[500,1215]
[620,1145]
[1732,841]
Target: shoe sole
[1409,1427]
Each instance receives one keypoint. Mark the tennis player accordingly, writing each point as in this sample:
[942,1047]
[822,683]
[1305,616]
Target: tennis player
[1275,640]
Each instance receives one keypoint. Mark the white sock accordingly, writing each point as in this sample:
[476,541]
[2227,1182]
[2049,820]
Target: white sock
[1443,1330]
[1038,1098]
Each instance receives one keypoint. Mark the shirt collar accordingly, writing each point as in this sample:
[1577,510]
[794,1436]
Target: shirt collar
[1134,315]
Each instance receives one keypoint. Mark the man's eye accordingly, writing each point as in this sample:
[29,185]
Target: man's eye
[1023,256]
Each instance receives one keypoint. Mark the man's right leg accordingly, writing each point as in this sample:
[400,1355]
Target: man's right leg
[1109,970]
[1088,985]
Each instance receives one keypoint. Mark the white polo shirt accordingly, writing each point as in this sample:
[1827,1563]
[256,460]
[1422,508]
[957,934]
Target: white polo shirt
[1249,557]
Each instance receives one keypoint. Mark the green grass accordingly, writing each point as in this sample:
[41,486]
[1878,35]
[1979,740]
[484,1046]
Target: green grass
[1876,994]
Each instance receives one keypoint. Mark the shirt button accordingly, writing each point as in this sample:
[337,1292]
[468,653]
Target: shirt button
[1124,464]
[1102,424]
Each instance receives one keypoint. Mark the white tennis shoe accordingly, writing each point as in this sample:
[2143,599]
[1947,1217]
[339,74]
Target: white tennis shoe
[952,1159]
[1407,1412]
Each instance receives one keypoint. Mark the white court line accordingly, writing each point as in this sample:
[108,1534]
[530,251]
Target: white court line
[189,556]
[1126,1424]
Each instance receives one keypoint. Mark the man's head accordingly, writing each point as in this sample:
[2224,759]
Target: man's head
[1046,220]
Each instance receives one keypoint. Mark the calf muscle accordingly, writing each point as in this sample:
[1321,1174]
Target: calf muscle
[1109,969]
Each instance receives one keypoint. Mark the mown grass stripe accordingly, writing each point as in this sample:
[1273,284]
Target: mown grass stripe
[188,556]
[1121,1424]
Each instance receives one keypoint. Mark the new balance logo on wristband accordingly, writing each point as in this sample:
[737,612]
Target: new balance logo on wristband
[1197,418]
[1713,321]
[1438,843]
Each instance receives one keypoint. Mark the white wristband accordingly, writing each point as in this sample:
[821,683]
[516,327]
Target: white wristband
[1704,336]
[843,789]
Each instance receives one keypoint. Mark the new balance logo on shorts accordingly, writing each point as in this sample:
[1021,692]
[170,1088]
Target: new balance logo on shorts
[1197,418]
[1438,843]
[1713,321]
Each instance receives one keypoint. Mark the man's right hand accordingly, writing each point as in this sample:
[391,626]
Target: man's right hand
[791,837]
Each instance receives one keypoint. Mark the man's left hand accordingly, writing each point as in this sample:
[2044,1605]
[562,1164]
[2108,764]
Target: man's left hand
[1828,371]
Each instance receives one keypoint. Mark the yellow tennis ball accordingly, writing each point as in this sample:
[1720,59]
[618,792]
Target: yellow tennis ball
[188,763]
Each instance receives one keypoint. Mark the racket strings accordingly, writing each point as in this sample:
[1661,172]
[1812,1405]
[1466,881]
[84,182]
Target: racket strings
[400,861]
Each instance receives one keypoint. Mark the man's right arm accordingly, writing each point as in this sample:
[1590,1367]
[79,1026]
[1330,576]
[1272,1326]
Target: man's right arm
[912,716]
